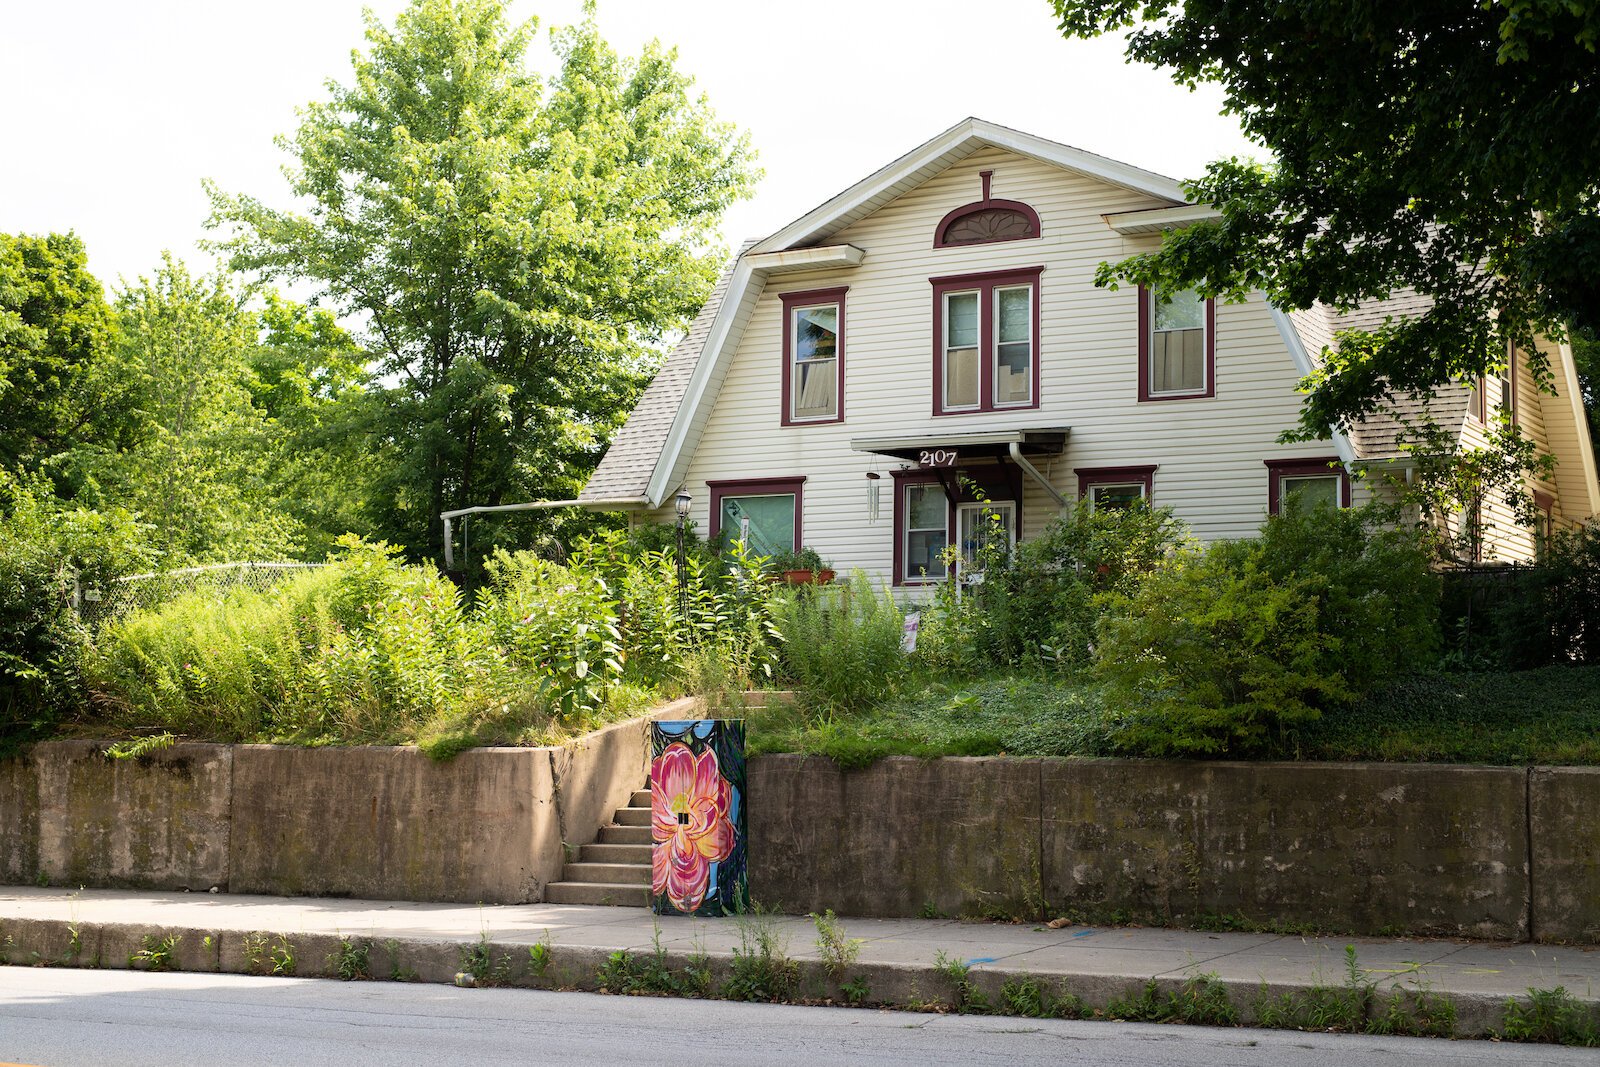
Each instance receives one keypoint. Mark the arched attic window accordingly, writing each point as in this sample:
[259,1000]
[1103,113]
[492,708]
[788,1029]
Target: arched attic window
[986,221]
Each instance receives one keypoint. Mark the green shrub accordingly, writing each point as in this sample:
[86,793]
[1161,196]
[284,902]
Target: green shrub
[1039,606]
[45,551]
[1226,646]
[841,644]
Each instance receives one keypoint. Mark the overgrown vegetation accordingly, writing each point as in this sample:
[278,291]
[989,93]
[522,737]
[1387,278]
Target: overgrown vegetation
[371,650]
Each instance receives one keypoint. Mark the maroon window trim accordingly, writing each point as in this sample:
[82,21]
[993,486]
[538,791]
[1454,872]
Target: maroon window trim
[805,299]
[1145,326]
[758,487]
[1277,469]
[1089,476]
[1000,483]
[941,232]
[1478,406]
[986,283]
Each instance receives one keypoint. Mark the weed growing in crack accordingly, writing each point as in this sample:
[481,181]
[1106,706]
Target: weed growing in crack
[761,968]
[156,953]
[1028,996]
[856,991]
[1553,1016]
[539,957]
[351,960]
[958,972]
[479,966]
[839,953]
[282,956]
[397,973]
[1202,1000]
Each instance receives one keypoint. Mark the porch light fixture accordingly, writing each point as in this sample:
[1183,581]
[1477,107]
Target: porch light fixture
[684,502]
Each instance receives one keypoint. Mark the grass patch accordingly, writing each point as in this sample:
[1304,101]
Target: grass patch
[1545,716]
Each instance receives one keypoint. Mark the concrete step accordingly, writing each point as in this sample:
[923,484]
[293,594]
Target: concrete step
[640,798]
[614,854]
[636,896]
[624,835]
[633,817]
[610,873]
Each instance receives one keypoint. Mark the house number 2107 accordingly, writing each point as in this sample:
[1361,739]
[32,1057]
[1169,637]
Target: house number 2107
[937,457]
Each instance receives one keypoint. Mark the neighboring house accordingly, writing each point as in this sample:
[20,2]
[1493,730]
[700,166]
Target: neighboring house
[932,337]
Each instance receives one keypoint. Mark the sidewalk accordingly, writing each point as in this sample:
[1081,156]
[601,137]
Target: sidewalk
[898,963]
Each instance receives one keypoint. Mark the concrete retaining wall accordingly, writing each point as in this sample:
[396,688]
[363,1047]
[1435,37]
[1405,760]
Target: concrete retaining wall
[1364,848]
[1360,848]
[491,825]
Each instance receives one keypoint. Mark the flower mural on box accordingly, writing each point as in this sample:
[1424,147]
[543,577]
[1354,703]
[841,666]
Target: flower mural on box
[697,817]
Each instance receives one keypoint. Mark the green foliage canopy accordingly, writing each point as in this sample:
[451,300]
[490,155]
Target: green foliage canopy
[61,386]
[516,248]
[1412,141]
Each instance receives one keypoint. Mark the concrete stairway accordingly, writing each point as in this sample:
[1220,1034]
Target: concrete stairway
[616,868]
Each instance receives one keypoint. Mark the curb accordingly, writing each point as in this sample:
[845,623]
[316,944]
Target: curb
[949,986]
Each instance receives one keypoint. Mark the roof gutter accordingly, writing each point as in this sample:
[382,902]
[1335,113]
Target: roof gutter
[448,517]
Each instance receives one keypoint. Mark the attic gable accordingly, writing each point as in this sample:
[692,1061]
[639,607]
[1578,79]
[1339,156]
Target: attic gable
[932,158]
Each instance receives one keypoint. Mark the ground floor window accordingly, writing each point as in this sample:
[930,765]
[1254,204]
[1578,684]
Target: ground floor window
[1115,487]
[1313,483]
[763,513]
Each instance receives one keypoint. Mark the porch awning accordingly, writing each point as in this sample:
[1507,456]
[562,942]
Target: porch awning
[985,444]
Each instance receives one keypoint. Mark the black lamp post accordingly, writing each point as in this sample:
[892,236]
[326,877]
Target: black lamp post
[683,503]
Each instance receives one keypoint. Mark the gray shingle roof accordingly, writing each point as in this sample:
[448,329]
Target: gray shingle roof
[1377,436]
[624,471]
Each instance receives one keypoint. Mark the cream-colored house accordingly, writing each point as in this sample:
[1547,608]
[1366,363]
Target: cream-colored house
[935,329]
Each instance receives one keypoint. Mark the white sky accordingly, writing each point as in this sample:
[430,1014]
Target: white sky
[115,110]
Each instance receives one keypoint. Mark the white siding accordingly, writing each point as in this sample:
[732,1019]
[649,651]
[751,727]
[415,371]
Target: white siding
[1209,451]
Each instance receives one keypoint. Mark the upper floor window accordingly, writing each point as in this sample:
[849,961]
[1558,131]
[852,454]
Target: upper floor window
[986,221]
[1177,339]
[1508,384]
[813,356]
[986,342]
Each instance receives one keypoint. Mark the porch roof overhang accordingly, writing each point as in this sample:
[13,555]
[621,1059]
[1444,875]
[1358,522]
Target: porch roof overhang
[991,444]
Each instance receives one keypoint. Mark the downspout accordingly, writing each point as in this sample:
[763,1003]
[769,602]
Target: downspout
[1022,461]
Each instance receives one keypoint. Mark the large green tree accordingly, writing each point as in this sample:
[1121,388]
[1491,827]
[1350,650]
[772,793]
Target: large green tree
[1450,146]
[62,387]
[513,248]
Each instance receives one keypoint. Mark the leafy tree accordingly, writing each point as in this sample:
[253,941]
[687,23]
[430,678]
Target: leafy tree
[309,378]
[61,386]
[1586,354]
[1443,145]
[515,248]
[198,477]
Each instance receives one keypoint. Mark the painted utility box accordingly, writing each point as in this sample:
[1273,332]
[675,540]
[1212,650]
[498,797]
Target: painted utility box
[698,818]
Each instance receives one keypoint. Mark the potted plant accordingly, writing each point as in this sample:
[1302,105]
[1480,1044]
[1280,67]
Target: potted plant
[802,567]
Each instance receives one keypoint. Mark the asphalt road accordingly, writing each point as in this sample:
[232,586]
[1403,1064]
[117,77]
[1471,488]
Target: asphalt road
[62,1018]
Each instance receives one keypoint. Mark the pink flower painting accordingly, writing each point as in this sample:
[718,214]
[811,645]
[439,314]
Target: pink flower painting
[689,815]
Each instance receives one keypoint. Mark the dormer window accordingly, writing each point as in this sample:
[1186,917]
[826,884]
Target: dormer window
[986,221]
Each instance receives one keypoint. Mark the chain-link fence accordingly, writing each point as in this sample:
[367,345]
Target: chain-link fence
[138,592]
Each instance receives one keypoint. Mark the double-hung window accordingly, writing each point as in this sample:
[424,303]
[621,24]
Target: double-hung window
[1177,341]
[1310,483]
[926,531]
[813,357]
[986,342]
